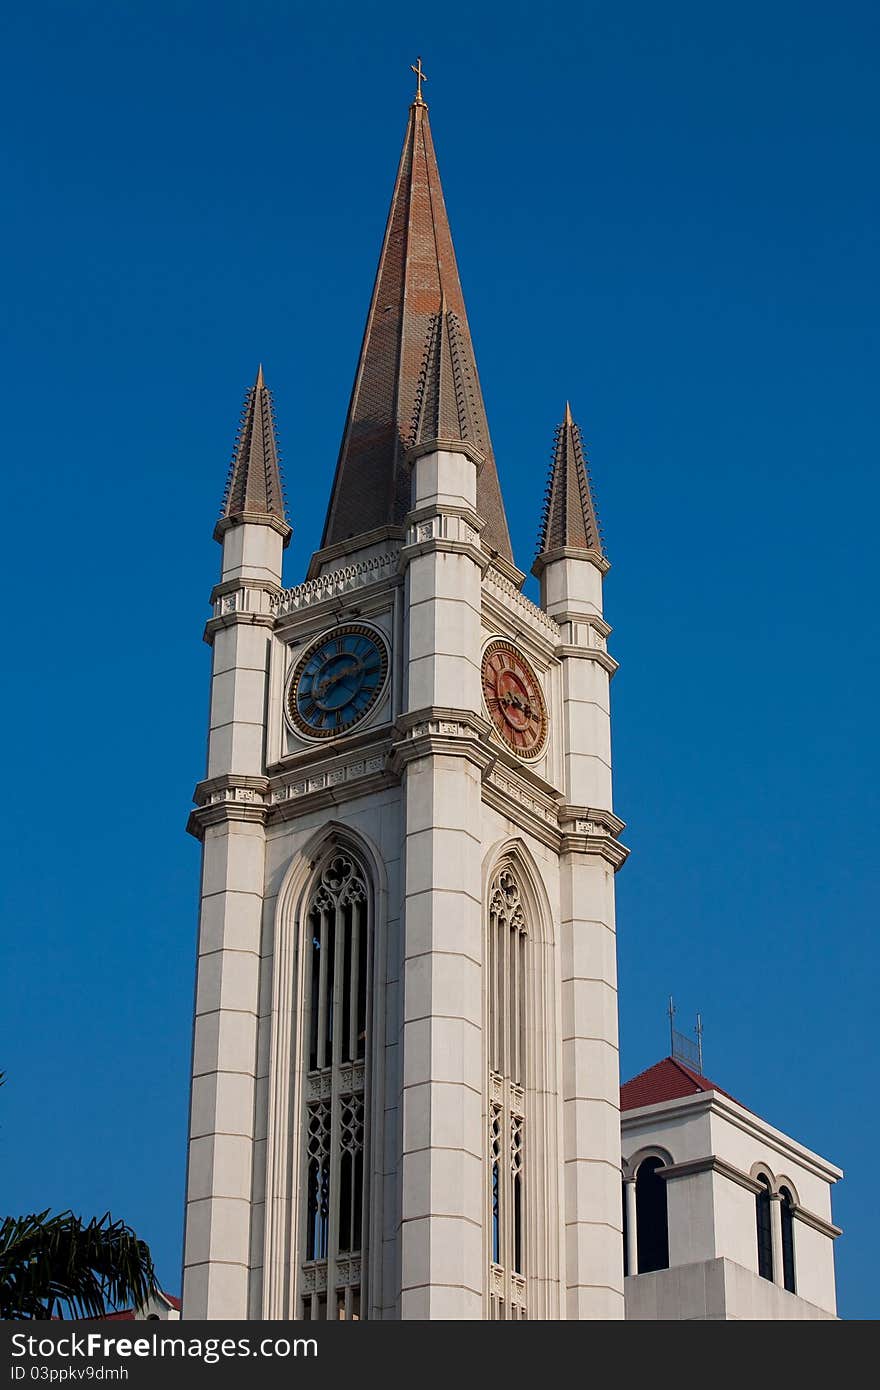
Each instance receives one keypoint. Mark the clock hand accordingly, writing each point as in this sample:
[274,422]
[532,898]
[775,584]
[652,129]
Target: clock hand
[523,706]
[329,681]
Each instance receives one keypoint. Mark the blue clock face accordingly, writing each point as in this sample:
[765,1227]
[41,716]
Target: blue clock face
[337,681]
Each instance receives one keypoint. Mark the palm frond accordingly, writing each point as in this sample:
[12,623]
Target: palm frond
[52,1265]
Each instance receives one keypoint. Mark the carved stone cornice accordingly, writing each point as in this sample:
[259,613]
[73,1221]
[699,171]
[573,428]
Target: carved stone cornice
[338,584]
[501,620]
[711,1163]
[611,850]
[596,654]
[569,552]
[507,570]
[340,549]
[330,784]
[277,523]
[446,446]
[818,1223]
[440,528]
[498,587]
[589,820]
[358,743]
[422,733]
[522,802]
[434,509]
[590,830]
[231,586]
[230,797]
[237,601]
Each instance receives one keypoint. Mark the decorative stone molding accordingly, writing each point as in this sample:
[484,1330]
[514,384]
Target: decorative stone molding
[455,530]
[517,789]
[244,598]
[433,730]
[585,635]
[446,446]
[508,570]
[240,601]
[818,1223]
[466,515]
[345,580]
[716,1102]
[580,630]
[231,797]
[567,552]
[710,1164]
[586,820]
[713,1164]
[588,830]
[512,599]
[276,523]
[328,785]
[323,561]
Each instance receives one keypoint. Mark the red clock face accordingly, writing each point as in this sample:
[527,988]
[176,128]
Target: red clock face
[514,700]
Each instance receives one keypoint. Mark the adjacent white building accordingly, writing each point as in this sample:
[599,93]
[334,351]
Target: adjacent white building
[405,1080]
[724,1216]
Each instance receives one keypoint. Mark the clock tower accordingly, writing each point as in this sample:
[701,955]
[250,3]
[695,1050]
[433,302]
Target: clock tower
[405,1093]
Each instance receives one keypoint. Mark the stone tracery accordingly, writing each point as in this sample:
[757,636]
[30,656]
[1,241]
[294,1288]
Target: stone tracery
[334,1218]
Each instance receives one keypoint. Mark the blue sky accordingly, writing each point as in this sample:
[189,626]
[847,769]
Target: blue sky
[665,213]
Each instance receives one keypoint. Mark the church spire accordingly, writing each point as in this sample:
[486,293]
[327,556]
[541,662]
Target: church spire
[416,381]
[570,519]
[254,491]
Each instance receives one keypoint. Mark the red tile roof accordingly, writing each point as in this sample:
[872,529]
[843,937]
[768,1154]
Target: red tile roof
[666,1080]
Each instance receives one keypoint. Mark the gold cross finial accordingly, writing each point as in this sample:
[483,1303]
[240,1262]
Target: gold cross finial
[420,78]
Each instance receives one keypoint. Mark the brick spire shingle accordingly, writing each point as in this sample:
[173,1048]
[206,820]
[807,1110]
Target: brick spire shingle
[254,491]
[416,381]
[570,520]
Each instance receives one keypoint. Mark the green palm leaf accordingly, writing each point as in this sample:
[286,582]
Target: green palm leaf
[56,1265]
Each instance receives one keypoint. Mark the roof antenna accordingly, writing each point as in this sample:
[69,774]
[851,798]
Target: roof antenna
[681,1047]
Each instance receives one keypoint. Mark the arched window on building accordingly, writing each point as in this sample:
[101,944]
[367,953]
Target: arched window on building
[508,1142]
[764,1228]
[652,1222]
[337,949]
[787,1216]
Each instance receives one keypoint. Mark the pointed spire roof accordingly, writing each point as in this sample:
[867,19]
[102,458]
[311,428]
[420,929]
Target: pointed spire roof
[416,382]
[445,410]
[570,519]
[254,491]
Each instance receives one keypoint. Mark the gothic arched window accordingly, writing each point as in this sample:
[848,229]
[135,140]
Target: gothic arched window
[652,1220]
[787,1217]
[764,1228]
[508,1146]
[337,955]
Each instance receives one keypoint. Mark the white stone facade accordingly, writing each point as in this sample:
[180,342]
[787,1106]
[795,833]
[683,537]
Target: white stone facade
[715,1158]
[429,807]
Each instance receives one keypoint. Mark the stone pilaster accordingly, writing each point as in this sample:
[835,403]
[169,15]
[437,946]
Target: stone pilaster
[229,820]
[442,1178]
[572,593]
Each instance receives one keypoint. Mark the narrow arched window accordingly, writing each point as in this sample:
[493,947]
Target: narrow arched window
[764,1229]
[508,1147]
[652,1222]
[337,955]
[787,1215]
